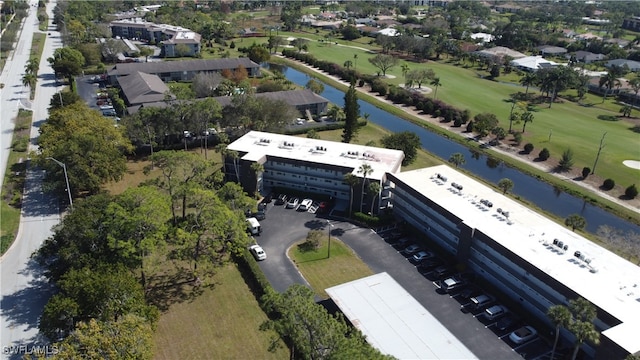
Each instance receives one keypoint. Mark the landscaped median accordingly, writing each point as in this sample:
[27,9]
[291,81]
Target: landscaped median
[323,270]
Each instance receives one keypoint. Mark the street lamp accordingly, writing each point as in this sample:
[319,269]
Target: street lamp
[66,179]
[329,246]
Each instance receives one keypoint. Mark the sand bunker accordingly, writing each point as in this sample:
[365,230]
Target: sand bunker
[634,164]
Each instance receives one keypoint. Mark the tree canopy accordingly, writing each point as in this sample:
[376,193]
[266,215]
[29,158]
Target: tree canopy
[383,62]
[406,141]
[92,149]
[67,62]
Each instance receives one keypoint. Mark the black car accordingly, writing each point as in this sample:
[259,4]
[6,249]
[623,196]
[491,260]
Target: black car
[267,199]
[260,215]
[508,321]
[281,199]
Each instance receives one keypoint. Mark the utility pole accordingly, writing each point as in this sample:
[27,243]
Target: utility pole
[602,144]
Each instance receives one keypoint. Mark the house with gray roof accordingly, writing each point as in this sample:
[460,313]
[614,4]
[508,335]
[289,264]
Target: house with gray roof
[586,57]
[167,37]
[630,64]
[182,70]
[139,88]
[551,50]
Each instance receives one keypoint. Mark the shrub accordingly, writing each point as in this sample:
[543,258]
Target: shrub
[544,154]
[608,184]
[465,116]
[457,123]
[20,144]
[566,162]
[631,191]
[528,148]
[380,87]
[361,82]
[517,137]
[232,45]
[470,126]
[585,172]
[253,275]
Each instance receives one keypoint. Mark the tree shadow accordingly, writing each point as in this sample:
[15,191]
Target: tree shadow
[23,307]
[172,288]
[608,117]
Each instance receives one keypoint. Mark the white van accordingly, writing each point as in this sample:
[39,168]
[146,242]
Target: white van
[253,226]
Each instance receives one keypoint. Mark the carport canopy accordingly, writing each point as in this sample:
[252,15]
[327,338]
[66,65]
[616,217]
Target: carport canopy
[394,322]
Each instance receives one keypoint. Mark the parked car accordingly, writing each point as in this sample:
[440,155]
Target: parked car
[494,312]
[442,271]
[450,284]
[468,293]
[507,321]
[412,249]
[258,252]
[523,334]
[481,301]
[281,199]
[431,263]
[292,203]
[402,242]
[305,204]
[323,207]
[260,215]
[422,255]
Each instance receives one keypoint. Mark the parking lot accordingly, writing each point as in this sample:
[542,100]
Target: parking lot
[282,227]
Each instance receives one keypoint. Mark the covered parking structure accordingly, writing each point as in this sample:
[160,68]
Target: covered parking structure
[394,322]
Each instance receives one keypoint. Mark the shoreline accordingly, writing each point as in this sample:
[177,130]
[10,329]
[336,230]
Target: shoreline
[591,183]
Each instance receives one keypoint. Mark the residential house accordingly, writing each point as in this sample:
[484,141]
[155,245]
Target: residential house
[586,57]
[303,100]
[551,50]
[629,64]
[167,37]
[139,88]
[632,23]
[532,63]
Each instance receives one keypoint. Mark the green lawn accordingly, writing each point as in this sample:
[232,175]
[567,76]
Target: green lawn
[324,272]
[221,323]
[572,125]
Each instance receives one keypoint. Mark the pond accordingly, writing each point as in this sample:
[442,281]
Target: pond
[533,190]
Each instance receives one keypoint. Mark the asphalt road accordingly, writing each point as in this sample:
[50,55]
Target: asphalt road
[283,227]
[24,290]
[14,94]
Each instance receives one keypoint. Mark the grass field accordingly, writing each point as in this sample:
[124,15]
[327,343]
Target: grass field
[221,323]
[570,124]
[322,272]
[13,182]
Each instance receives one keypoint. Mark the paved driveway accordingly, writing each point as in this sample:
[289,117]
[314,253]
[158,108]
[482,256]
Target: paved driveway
[283,227]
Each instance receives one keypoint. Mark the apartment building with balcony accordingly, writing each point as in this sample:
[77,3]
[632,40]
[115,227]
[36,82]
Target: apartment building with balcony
[166,36]
[533,260]
[312,166]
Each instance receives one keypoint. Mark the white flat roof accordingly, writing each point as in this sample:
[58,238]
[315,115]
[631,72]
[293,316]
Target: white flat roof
[394,322]
[614,287]
[257,144]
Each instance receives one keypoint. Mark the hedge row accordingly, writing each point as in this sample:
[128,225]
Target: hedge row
[393,93]
[253,275]
[329,126]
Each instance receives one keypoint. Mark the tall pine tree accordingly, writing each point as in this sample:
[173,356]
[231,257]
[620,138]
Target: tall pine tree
[351,112]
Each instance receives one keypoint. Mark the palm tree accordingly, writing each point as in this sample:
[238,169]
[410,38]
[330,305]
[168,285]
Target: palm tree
[526,117]
[336,113]
[348,64]
[575,221]
[366,170]
[436,82]
[608,81]
[505,185]
[355,61]
[32,66]
[29,79]
[527,80]
[635,85]
[582,309]
[350,180]
[374,191]
[405,69]
[583,331]
[457,159]
[257,168]
[561,317]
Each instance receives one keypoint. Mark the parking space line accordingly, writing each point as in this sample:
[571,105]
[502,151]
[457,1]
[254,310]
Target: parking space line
[465,305]
[523,344]
[490,325]
[503,336]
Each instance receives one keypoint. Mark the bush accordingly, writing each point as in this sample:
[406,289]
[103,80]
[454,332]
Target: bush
[608,184]
[585,172]
[517,138]
[544,154]
[252,274]
[361,82]
[631,191]
[380,87]
[528,148]
[20,144]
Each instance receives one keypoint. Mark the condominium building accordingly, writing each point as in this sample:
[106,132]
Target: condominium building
[312,166]
[533,260]
[167,37]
